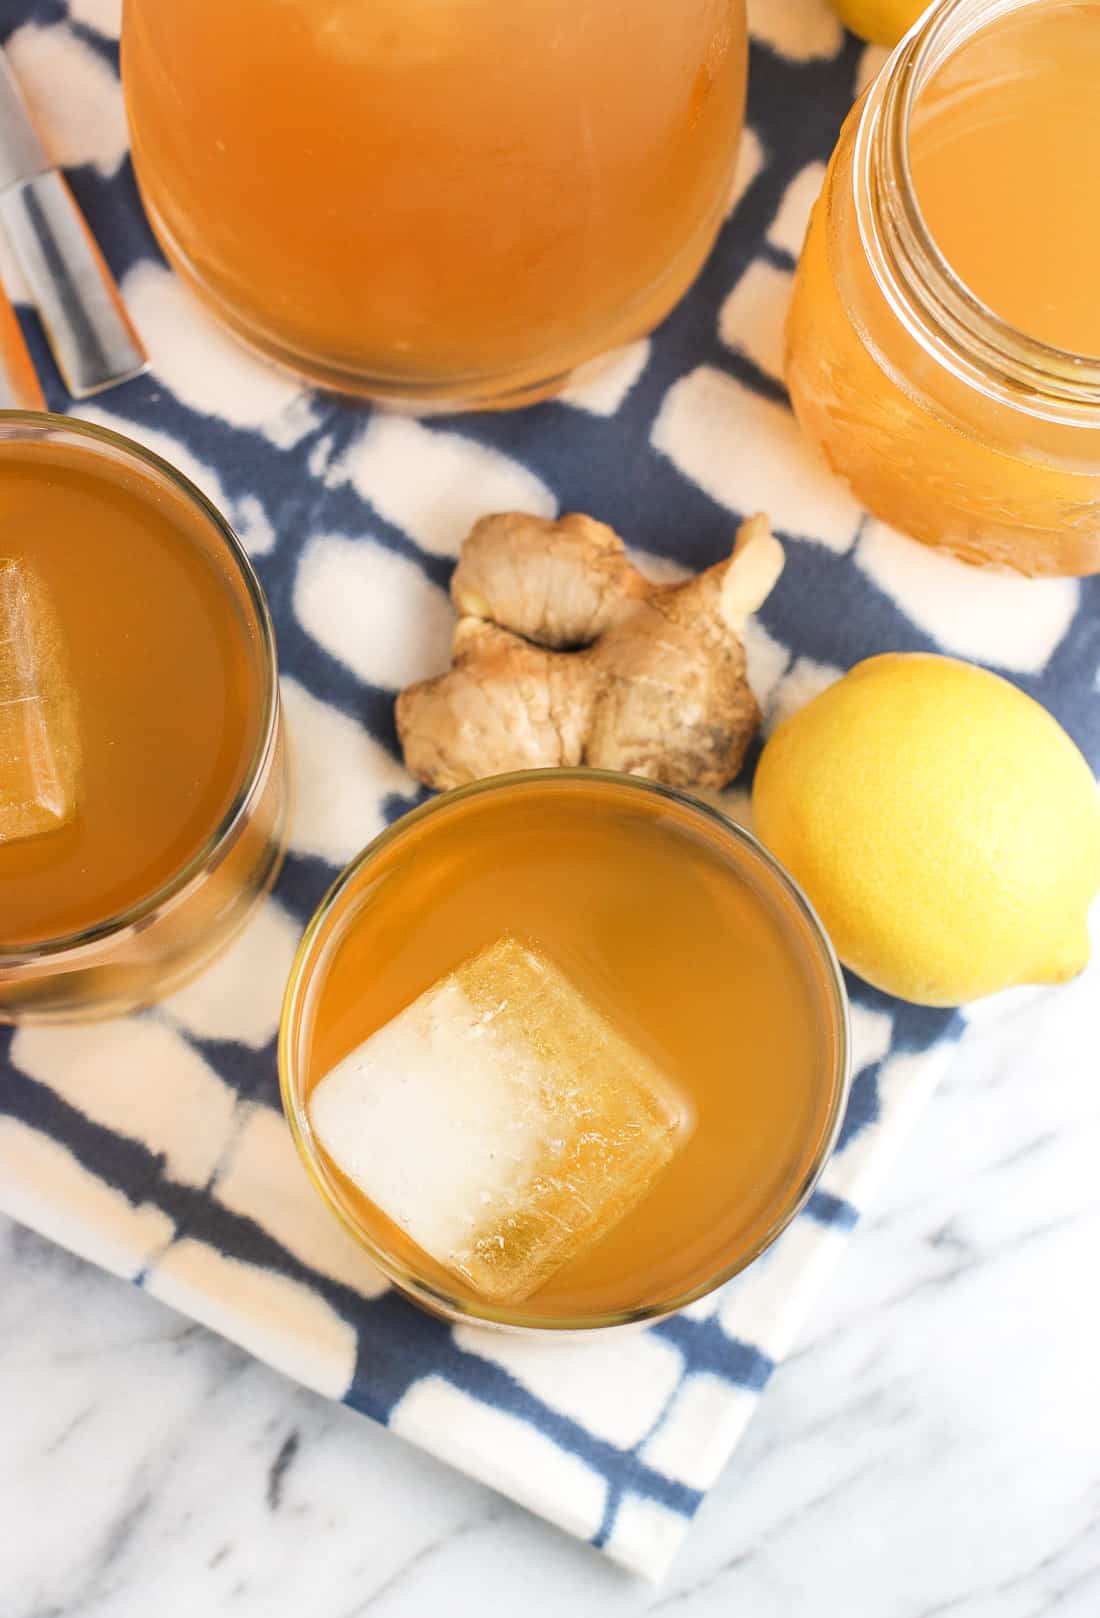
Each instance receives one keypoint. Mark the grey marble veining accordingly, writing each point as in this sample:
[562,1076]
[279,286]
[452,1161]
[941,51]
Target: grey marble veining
[932,1449]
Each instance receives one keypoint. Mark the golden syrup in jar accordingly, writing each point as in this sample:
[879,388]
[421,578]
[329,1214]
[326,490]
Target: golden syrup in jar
[1005,152]
[936,437]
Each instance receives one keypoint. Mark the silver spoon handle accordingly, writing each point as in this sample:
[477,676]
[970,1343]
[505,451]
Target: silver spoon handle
[92,336]
[93,339]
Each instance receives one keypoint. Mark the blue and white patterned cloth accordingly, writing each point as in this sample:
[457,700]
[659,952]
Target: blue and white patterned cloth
[154,1146]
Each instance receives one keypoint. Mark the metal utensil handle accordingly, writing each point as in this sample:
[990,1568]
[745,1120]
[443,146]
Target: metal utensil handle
[92,337]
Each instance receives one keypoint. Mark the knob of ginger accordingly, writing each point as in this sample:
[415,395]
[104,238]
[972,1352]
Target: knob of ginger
[566,654]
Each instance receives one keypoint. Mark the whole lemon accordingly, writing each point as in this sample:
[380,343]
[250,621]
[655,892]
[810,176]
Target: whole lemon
[882,22]
[944,826]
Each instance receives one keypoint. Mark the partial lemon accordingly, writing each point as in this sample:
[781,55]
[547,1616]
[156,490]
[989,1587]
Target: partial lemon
[944,826]
[882,22]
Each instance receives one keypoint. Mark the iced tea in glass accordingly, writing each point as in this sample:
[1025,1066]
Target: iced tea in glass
[620,946]
[142,794]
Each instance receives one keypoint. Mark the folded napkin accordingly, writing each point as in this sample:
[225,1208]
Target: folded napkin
[154,1146]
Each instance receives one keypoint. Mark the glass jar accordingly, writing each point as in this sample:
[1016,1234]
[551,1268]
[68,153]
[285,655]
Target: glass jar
[109,911]
[436,200]
[949,423]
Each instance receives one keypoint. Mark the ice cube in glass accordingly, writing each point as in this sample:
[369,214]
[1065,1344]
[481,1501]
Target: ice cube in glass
[501,1120]
[39,735]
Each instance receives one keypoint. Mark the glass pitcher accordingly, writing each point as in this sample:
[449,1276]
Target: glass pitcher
[436,200]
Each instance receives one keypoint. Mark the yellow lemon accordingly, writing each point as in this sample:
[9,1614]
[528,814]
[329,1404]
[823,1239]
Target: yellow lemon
[944,826]
[883,22]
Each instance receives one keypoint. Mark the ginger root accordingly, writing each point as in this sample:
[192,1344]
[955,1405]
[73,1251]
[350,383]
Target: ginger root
[566,654]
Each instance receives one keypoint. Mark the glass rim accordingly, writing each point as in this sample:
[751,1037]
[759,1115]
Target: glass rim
[53,425]
[922,288]
[434,1298]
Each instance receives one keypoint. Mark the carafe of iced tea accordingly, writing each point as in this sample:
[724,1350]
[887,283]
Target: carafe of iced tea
[944,336]
[449,200]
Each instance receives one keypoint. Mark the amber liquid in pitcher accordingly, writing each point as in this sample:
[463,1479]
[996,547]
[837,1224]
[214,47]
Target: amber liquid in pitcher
[690,946]
[163,679]
[457,198]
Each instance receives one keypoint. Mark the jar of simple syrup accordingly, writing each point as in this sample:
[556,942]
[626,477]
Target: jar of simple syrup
[943,343]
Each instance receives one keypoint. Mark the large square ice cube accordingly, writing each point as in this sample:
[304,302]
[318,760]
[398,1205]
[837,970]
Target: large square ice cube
[39,736]
[500,1120]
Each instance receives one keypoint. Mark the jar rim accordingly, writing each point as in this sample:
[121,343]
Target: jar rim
[924,291]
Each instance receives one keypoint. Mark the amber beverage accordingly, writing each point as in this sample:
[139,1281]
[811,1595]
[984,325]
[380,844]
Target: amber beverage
[680,930]
[142,793]
[450,200]
[944,337]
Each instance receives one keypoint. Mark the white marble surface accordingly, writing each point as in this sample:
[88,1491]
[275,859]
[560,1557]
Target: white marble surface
[933,1448]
